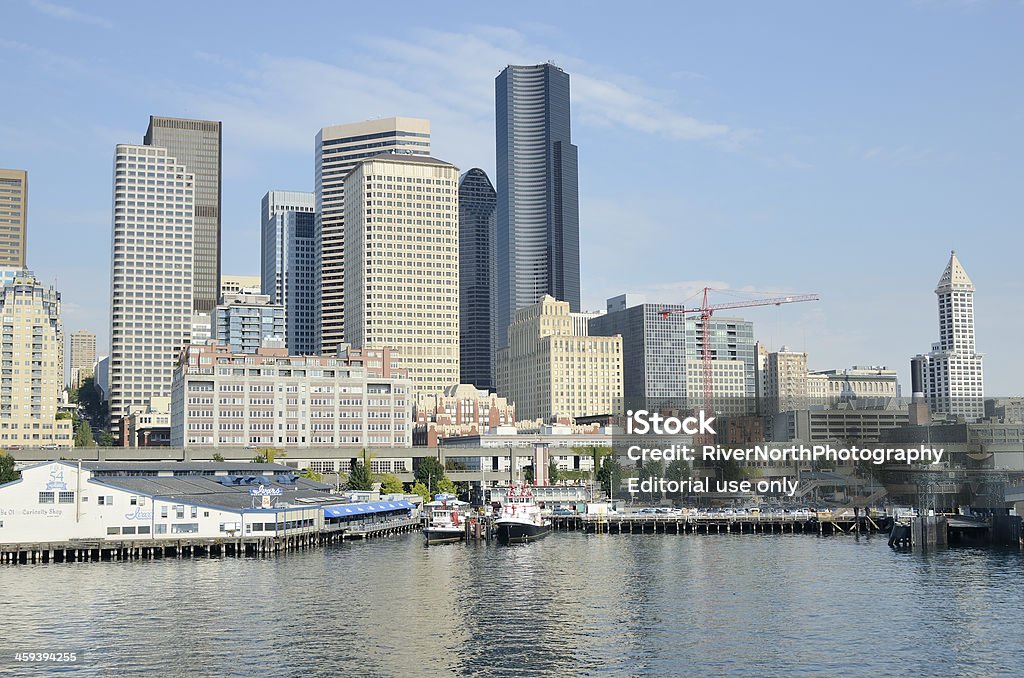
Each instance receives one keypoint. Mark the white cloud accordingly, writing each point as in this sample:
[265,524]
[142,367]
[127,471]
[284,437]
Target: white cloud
[69,14]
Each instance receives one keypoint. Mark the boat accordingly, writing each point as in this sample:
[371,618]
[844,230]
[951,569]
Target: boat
[520,518]
[445,519]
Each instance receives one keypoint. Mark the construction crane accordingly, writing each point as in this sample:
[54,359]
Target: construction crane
[706,310]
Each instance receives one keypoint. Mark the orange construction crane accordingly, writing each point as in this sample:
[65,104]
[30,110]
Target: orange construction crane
[706,310]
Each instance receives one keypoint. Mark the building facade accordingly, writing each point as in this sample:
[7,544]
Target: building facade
[827,387]
[148,425]
[32,386]
[477,292]
[338,149]
[244,321]
[731,339]
[538,243]
[288,265]
[83,356]
[151,286]
[239,284]
[402,263]
[548,372]
[786,381]
[226,399]
[953,375]
[13,217]
[459,411]
[653,351]
[196,144]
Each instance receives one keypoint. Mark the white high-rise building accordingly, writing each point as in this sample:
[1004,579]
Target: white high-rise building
[338,149]
[402,264]
[151,278]
[952,372]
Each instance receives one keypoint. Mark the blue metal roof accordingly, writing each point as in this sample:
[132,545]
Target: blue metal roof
[342,510]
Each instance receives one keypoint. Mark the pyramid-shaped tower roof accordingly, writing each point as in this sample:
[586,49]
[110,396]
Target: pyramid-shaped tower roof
[954,277]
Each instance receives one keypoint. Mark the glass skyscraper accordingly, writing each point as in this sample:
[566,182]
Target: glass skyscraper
[288,269]
[196,144]
[477,201]
[538,230]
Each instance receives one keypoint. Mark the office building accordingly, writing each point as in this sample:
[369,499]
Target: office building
[477,201]
[83,356]
[240,284]
[548,372]
[244,321]
[225,399]
[13,217]
[827,387]
[151,290]
[732,339]
[402,263]
[196,144]
[952,372]
[538,230]
[289,265]
[459,410]
[786,381]
[653,351]
[33,367]
[147,425]
[338,149]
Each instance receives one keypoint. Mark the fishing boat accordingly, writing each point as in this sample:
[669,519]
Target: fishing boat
[445,519]
[520,518]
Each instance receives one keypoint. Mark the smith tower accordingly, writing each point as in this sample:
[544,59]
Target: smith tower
[951,374]
[538,229]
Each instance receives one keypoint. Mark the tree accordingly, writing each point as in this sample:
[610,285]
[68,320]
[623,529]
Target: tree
[217,456]
[446,486]
[7,472]
[610,475]
[553,473]
[359,478]
[528,475]
[429,472]
[267,455]
[421,489]
[106,439]
[653,469]
[83,434]
[677,470]
[310,474]
[390,484]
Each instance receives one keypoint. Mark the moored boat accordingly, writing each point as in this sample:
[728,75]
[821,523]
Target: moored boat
[520,519]
[445,520]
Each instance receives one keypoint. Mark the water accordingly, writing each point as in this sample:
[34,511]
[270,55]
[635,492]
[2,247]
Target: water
[572,604]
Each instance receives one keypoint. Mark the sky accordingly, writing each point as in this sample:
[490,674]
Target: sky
[757,148]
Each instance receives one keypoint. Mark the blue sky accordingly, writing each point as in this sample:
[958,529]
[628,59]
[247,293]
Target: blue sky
[841,149]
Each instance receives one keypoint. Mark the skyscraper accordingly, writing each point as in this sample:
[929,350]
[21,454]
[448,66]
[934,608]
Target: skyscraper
[196,144]
[951,373]
[151,279]
[338,149]
[83,356]
[477,291]
[13,217]
[245,321]
[402,264]
[538,229]
[289,262]
[29,397]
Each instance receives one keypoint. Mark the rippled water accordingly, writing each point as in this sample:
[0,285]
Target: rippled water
[572,604]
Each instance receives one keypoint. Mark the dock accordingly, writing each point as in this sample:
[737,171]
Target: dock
[824,523]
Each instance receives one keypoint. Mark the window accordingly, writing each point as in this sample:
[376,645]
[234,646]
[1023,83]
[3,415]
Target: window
[184,528]
[46,497]
[161,529]
[133,501]
[179,512]
[163,511]
[195,511]
[66,497]
[128,530]
[113,530]
[143,529]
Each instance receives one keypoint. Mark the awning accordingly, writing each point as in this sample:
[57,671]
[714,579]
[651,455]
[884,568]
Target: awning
[342,510]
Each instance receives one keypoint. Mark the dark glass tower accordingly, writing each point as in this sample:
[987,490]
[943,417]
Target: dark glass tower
[538,228]
[477,201]
[197,145]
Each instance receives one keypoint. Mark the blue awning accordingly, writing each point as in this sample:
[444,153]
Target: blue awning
[342,510]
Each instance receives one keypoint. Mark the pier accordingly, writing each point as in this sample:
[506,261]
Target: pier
[826,523]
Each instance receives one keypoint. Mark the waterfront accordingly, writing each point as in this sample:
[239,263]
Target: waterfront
[572,604]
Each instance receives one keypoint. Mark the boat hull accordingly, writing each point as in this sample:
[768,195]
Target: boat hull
[519,533]
[443,535]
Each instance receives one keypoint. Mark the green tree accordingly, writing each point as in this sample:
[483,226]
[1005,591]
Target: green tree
[7,472]
[421,489]
[553,473]
[446,486]
[106,439]
[528,475]
[217,456]
[267,455]
[610,475]
[655,469]
[430,472]
[390,484]
[83,434]
[310,474]
[359,478]
[677,470]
